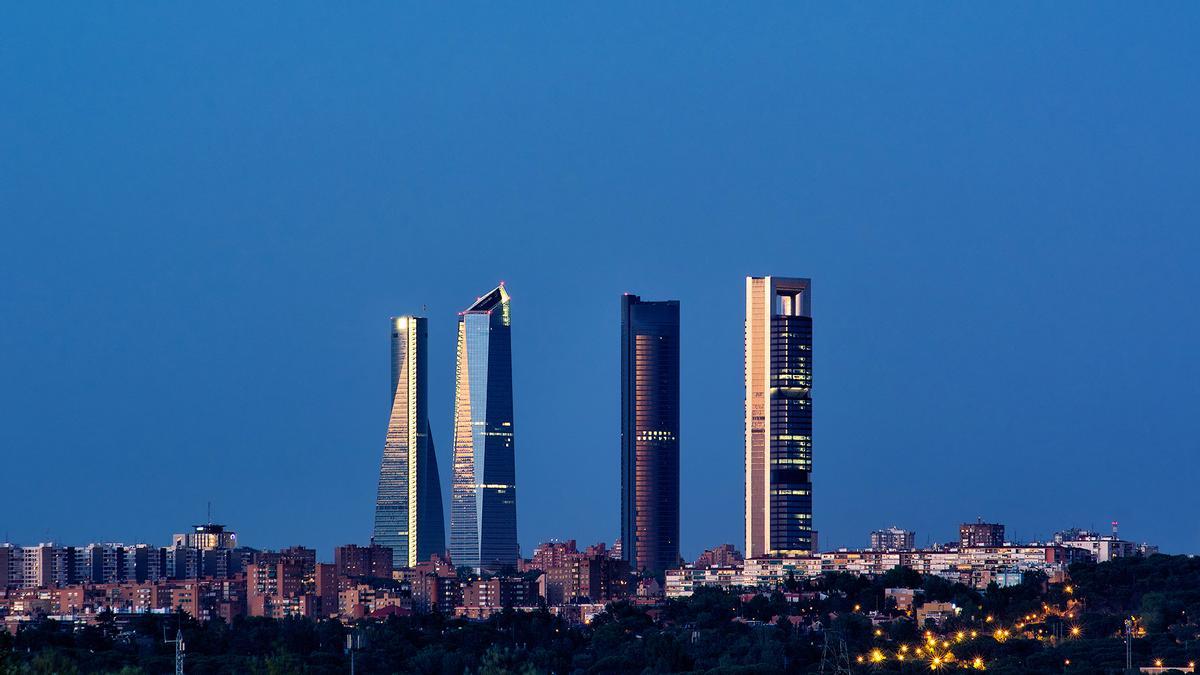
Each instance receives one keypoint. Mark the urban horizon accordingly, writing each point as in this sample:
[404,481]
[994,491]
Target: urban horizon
[401,322]
[430,339]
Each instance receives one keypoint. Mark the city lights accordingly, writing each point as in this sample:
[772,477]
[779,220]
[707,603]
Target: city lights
[213,212]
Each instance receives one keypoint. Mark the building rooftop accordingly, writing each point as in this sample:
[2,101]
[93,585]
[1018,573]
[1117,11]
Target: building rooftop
[491,300]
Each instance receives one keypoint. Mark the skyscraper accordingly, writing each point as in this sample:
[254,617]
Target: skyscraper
[408,510]
[649,433]
[778,417]
[483,512]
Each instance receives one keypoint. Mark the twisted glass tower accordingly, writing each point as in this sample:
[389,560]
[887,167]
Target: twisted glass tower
[778,417]
[649,433]
[408,507]
[483,511]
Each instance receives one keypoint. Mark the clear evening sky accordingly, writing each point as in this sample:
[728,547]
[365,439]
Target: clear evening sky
[209,213]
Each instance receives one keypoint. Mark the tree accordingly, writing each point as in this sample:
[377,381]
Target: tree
[505,661]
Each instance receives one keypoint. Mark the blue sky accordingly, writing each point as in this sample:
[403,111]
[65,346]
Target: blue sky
[208,214]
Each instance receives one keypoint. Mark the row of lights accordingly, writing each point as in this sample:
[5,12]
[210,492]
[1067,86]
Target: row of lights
[936,661]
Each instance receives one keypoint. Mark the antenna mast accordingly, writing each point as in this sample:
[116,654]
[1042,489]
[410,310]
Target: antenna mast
[178,642]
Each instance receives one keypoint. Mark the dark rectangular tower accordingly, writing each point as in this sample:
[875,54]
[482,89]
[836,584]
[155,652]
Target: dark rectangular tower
[649,434]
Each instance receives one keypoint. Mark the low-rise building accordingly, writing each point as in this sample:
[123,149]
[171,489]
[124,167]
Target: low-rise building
[936,613]
[725,555]
[571,576]
[362,562]
[976,566]
[1102,547]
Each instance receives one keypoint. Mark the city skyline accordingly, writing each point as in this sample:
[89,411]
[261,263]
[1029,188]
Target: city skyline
[778,315]
[201,246]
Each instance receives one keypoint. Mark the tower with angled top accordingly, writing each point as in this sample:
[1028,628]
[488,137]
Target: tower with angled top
[483,512]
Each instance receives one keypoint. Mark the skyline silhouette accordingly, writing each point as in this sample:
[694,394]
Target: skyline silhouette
[211,213]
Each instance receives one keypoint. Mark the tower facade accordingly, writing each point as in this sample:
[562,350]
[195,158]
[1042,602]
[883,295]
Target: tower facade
[778,417]
[408,508]
[649,433]
[483,512]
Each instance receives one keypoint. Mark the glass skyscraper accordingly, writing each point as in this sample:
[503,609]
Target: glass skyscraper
[778,417]
[649,433]
[408,509]
[483,511]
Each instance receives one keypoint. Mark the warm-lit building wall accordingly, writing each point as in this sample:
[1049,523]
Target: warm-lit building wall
[483,513]
[207,537]
[408,509]
[980,533]
[357,562]
[778,408]
[649,433]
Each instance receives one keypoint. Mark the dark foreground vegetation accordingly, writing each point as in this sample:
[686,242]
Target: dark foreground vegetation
[1033,628]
